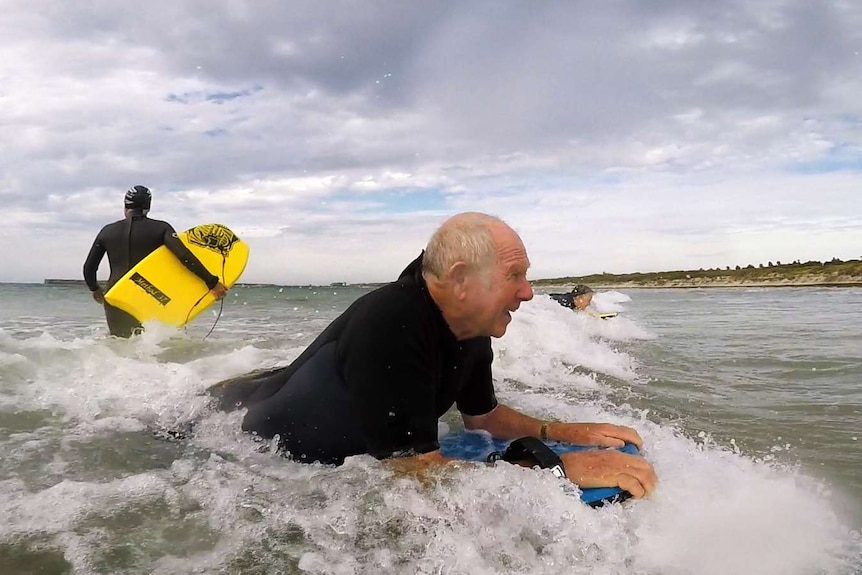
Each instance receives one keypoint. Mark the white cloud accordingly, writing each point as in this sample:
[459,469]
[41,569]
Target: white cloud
[614,137]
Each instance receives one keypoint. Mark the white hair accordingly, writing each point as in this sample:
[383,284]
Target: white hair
[466,237]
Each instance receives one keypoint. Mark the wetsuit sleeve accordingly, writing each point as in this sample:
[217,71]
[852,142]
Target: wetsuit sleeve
[91,264]
[477,397]
[389,368]
[564,299]
[187,258]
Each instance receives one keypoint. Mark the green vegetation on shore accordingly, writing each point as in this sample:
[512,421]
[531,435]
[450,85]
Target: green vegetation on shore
[811,273]
[833,272]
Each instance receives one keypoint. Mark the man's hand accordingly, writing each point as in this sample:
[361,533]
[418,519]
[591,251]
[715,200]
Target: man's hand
[610,468]
[218,291]
[420,466]
[98,295]
[601,434]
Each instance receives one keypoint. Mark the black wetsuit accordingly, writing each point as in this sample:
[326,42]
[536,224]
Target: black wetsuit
[127,242]
[375,381]
[564,299]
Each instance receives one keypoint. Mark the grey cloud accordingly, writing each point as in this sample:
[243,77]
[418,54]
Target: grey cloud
[520,106]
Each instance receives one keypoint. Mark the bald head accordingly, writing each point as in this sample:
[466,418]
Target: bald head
[467,237]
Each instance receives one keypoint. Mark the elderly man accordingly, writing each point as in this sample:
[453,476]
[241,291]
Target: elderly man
[379,377]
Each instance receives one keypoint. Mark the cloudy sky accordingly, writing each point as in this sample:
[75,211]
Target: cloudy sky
[334,136]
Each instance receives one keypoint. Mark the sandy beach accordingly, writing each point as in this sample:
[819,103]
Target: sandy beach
[720,282]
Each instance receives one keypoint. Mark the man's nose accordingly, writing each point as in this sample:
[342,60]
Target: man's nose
[525,291]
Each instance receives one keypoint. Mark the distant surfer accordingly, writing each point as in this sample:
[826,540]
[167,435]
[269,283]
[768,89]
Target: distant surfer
[379,377]
[579,299]
[127,242]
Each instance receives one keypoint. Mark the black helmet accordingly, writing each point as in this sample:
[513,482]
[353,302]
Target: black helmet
[138,198]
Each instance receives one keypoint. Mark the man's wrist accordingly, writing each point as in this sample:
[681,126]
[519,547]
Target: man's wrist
[543,431]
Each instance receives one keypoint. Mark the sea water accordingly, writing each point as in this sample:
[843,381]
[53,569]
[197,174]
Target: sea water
[748,401]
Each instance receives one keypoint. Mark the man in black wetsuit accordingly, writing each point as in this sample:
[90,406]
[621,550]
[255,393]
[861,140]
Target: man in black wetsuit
[377,379]
[578,299]
[127,242]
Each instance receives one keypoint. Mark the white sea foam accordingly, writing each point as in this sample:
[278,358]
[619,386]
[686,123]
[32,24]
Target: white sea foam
[84,476]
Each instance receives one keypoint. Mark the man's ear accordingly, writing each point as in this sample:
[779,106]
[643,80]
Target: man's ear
[458,274]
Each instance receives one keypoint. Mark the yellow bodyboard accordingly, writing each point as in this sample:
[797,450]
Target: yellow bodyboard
[160,287]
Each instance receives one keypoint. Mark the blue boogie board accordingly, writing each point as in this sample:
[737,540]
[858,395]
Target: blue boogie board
[476,446]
